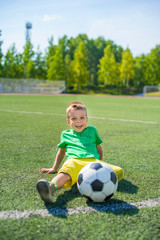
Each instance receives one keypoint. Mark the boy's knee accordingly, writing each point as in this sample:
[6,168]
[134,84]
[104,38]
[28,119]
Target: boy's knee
[120,174]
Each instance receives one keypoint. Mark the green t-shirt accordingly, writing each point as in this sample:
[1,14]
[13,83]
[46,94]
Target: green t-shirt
[81,145]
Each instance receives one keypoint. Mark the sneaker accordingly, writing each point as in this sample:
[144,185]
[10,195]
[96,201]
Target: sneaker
[45,191]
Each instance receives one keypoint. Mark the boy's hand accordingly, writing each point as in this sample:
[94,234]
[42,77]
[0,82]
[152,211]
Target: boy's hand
[47,170]
[59,158]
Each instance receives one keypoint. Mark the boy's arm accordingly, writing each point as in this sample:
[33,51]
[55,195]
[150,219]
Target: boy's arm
[100,151]
[59,157]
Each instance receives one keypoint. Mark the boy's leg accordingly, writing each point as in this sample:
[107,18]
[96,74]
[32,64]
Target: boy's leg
[119,171]
[46,189]
[60,180]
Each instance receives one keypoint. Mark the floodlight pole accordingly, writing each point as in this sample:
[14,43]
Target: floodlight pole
[28,31]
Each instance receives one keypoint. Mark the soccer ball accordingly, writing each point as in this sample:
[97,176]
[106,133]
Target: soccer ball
[97,181]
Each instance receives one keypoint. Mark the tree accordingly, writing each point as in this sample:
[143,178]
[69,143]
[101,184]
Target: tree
[69,72]
[108,69]
[82,61]
[139,69]
[27,62]
[63,42]
[152,73]
[80,67]
[92,61]
[40,65]
[1,57]
[117,50]
[73,43]
[126,67]
[50,52]
[100,44]
[12,64]
[56,70]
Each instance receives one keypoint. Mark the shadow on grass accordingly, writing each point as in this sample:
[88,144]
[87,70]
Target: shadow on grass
[127,187]
[59,207]
[117,207]
[67,196]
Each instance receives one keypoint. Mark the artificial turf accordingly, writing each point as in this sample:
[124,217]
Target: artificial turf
[30,129]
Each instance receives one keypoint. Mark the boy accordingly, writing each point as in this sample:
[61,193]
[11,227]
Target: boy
[81,144]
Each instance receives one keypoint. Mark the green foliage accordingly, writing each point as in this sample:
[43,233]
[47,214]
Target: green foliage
[1,56]
[50,52]
[81,61]
[152,73]
[73,43]
[27,60]
[139,69]
[91,53]
[80,67]
[56,70]
[108,68]
[12,67]
[126,67]
[69,73]
[117,50]
[39,65]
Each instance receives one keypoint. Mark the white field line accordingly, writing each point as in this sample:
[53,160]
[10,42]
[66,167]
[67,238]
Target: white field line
[63,115]
[25,112]
[79,210]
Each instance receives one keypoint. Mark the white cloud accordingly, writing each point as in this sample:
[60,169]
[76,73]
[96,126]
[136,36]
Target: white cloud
[49,18]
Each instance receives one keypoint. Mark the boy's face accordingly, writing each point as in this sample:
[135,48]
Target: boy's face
[77,120]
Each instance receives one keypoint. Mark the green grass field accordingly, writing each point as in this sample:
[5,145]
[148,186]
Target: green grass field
[30,129]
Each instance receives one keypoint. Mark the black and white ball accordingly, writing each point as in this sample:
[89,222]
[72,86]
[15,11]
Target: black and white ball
[97,181]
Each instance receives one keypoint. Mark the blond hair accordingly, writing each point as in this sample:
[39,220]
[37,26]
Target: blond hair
[75,106]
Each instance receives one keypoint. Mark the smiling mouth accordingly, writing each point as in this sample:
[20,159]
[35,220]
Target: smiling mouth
[79,127]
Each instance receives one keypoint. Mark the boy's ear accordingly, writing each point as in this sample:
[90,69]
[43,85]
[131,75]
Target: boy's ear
[68,121]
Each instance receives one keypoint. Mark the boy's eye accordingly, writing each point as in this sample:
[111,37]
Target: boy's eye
[82,117]
[73,119]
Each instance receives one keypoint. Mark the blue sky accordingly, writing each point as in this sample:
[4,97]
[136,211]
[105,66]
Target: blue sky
[129,23]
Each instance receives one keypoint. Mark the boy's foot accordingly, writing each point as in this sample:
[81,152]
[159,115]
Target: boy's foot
[45,190]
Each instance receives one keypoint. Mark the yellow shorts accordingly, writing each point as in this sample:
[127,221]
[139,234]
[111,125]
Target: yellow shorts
[73,166]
